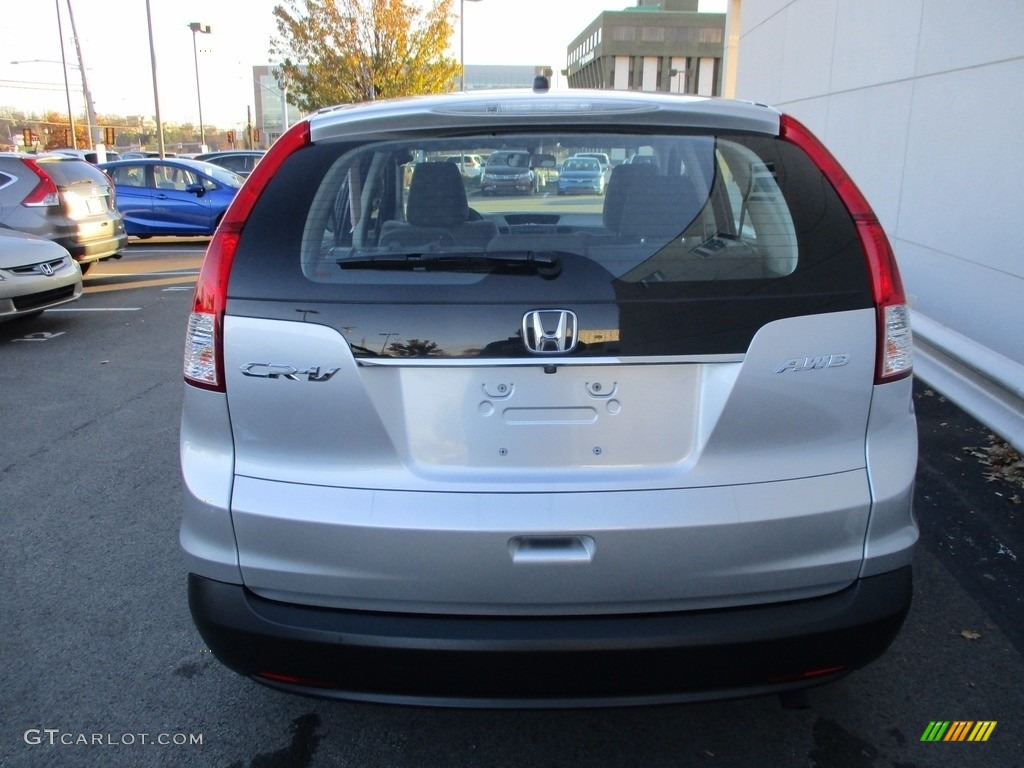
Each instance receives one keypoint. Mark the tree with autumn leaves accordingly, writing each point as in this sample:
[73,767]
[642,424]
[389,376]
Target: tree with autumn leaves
[346,51]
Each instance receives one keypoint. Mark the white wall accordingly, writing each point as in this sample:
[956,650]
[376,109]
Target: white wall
[923,102]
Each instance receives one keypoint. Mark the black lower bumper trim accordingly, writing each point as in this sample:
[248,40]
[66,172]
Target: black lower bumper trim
[550,661]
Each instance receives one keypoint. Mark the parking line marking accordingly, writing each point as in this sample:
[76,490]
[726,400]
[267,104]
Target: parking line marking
[97,309]
[91,287]
[159,252]
[145,274]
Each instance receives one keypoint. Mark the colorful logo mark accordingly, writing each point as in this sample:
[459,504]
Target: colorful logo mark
[958,730]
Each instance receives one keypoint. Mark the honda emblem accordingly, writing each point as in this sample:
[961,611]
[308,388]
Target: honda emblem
[550,331]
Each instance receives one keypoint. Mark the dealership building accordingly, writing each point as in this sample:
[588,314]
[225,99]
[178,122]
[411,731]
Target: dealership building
[656,46]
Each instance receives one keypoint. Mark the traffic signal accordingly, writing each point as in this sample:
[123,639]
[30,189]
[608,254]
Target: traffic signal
[231,137]
[255,136]
[108,136]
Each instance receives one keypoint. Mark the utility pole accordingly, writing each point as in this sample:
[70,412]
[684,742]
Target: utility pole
[95,137]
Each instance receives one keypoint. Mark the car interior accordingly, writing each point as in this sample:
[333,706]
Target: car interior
[702,208]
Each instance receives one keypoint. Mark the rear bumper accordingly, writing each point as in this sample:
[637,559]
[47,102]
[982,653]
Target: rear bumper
[84,251]
[550,661]
[488,186]
[579,189]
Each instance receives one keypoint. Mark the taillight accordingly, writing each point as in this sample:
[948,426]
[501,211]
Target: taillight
[894,357]
[45,194]
[204,341]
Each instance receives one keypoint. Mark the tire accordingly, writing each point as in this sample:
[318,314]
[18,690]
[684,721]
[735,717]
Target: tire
[86,267]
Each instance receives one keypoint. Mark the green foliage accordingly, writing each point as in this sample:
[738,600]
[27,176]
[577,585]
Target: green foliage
[346,51]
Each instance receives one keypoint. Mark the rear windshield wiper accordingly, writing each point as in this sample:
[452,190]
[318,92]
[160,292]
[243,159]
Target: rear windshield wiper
[546,264]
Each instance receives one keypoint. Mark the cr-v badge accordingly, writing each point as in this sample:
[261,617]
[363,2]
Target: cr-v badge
[550,331]
[283,371]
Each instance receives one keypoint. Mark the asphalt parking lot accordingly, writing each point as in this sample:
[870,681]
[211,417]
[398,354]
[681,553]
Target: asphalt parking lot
[97,641]
[969,502]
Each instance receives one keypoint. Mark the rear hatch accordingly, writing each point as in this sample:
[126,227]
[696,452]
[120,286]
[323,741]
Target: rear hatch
[87,199]
[650,401]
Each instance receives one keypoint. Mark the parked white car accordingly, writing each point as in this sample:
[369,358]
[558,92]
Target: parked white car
[35,275]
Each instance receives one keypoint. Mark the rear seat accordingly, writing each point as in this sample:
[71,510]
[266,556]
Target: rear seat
[437,212]
[623,178]
[647,243]
[645,213]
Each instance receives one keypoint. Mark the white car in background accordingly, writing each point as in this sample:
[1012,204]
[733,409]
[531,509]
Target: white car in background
[35,275]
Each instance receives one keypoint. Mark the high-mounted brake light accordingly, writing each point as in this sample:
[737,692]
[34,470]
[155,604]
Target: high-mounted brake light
[894,358]
[45,194]
[204,339]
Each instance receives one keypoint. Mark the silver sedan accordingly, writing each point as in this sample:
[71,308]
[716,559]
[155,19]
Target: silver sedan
[35,275]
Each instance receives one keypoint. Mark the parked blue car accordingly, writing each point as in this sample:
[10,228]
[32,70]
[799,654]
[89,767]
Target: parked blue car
[581,175]
[171,196]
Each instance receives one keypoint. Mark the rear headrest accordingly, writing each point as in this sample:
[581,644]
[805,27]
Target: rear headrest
[661,206]
[623,177]
[437,197]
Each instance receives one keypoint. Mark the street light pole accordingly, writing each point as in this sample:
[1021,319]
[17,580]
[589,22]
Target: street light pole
[156,92]
[462,40]
[195,26]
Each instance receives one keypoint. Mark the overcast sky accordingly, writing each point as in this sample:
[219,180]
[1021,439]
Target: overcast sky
[114,39]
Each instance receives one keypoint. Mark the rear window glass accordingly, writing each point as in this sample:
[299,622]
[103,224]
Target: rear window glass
[68,171]
[222,175]
[691,250]
[510,159]
[712,211]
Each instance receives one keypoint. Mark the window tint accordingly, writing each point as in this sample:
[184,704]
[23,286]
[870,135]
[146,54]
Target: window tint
[236,164]
[66,172]
[720,216]
[581,164]
[173,177]
[128,175]
[222,175]
[741,211]
[692,255]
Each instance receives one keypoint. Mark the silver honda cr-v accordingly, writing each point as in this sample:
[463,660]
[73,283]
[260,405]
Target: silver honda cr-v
[64,199]
[651,445]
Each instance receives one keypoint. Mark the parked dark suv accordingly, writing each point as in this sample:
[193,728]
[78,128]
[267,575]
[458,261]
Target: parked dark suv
[64,199]
[656,445]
